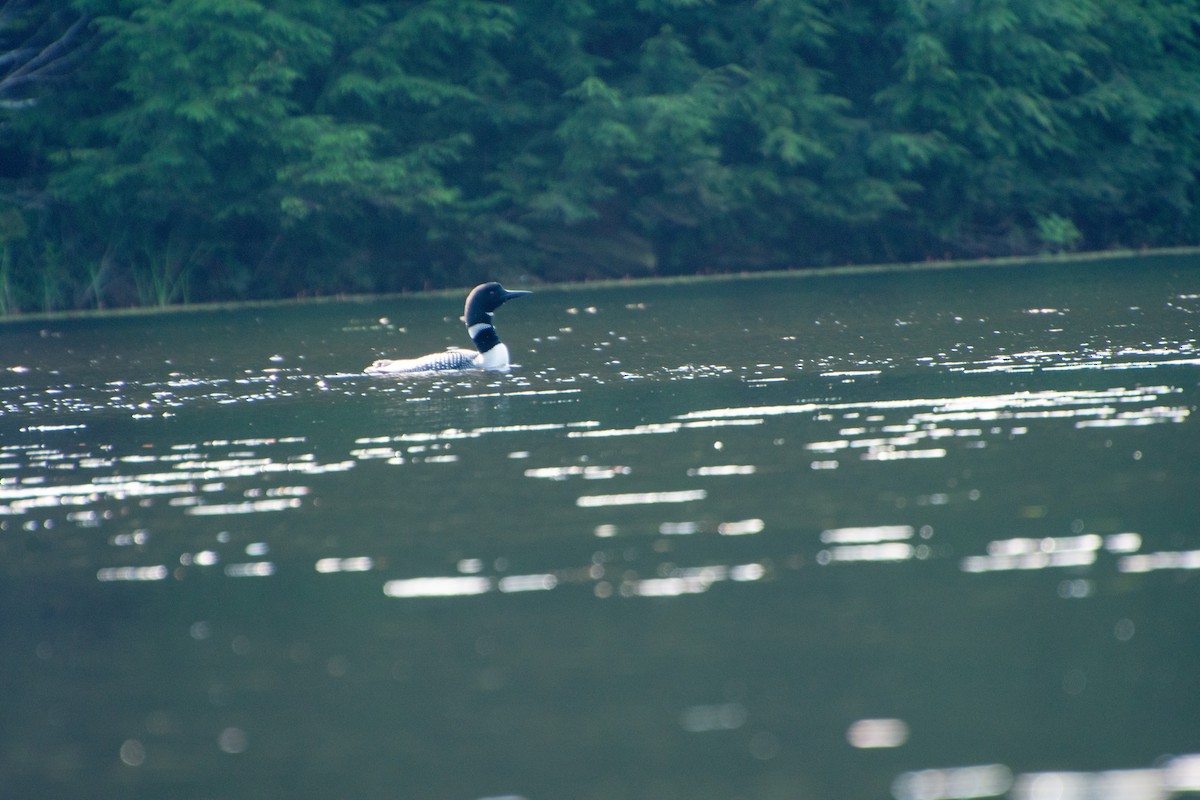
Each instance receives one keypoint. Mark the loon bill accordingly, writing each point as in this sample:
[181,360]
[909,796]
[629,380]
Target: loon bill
[489,354]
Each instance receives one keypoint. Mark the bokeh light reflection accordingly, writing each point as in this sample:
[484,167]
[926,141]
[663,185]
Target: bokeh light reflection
[870,734]
[953,783]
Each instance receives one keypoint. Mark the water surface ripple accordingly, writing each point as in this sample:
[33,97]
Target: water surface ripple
[920,535]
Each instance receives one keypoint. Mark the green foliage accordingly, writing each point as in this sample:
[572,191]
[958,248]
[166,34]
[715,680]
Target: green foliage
[203,149]
[1032,107]
[1058,233]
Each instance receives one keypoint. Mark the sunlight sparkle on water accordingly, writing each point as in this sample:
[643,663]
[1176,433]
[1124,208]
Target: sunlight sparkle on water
[1129,784]
[353,564]
[745,527]
[157,572]
[586,472]
[878,533]
[692,580]
[246,507]
[890,551]
[254,569]
[1148,562]
[1176,777]
[869,734]
[722,470]
[1024,553]
[640,498]
[451,586]
[953,783]
[527,583]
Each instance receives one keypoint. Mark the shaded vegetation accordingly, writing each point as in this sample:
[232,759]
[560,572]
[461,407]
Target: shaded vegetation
[160,151]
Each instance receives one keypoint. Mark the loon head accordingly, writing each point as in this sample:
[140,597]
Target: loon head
[481,302]
[484,299]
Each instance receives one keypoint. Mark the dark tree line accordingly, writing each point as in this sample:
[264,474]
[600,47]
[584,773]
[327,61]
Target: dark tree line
[157,151]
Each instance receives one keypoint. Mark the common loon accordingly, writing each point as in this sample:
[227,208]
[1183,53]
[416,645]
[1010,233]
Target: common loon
[490,352]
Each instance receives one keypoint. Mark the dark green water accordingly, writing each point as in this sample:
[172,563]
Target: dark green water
[916,535]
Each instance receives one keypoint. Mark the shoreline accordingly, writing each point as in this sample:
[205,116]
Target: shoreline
[1051,260]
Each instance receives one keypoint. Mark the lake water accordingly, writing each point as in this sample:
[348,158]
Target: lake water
[921,535]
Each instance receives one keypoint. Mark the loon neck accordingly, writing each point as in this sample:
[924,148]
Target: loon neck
[476,315]
[483,333]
